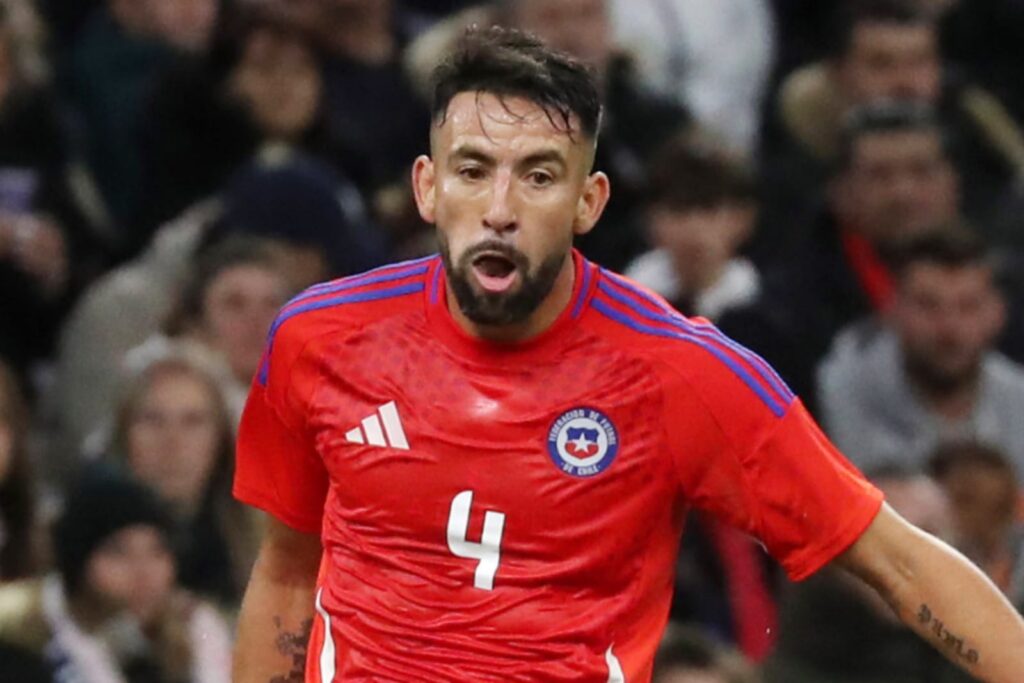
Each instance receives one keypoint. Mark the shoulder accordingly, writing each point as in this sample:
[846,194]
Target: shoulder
[340,307]
[689,354]
[1005,374]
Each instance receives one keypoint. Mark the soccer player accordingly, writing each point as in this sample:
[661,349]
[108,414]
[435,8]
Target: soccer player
[477,464]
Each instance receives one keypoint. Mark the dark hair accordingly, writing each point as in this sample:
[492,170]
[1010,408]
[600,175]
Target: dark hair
[19,555]
[101,503]
[509,63]
[953,454]
[689,174]
[952,246]
[888,116]
[232,251]
[851,13]
[686,647]
[217,504]
[239,23]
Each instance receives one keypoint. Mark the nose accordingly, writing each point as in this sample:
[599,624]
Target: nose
[500,215]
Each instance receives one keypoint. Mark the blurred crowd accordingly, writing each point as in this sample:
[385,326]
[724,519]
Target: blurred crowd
[839,185]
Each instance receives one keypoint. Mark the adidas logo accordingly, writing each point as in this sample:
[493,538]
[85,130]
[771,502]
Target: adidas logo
[383,428]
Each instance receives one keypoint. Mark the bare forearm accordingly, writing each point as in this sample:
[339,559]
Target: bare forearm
[943,597]
[954,606]
[273,632]
[277,612]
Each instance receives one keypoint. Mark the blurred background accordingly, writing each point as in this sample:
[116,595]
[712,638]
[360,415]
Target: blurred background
[837,184]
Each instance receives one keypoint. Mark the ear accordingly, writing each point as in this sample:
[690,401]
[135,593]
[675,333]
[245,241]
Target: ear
[423,186]
[596,191]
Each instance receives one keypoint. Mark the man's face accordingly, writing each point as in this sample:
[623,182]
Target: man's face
[507,189]
[898,184]
[891,61]
[946,318]
[701,240]
[984,502]
[580,28]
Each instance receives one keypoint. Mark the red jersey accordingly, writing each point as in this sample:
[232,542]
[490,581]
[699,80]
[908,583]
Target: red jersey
[496,512]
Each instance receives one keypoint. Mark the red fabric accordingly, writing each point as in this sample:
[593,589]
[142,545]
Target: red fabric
[578,579]
[873,275]
[754,612]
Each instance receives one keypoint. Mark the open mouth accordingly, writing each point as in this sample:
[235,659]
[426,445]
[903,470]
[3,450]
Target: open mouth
[494,272]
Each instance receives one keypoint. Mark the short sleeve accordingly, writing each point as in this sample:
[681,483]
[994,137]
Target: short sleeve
[774,475]
[278,468]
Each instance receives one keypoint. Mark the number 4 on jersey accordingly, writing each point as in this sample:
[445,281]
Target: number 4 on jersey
[488,551]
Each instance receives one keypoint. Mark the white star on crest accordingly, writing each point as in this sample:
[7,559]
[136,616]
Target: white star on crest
[581,442]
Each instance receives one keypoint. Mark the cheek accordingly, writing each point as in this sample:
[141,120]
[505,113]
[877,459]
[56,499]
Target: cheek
[109,577]
[202,450]
[144,451]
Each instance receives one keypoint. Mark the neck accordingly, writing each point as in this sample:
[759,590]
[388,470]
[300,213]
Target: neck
[696,281]
[539,321]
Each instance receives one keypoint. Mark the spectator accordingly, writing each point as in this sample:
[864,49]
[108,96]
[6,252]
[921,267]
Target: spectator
[174,434]
[118,57]
[889,50]
[259,88]
[373,110]
[635,124]
[701,208]
[227,307]
[984,490]
[688,656]
[930,372]
[49,238]
[714,58]
[20,542]
[319,230]
[832,630]
[724,586]
[894,180]
[114,611]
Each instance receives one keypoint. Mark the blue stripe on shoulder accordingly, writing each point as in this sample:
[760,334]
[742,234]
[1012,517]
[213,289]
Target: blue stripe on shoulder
[360,297]
[389,273]
[577,309]
[777,408]
[670,317]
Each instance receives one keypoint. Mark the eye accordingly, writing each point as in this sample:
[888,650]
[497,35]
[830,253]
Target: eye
[471,173]
[540,178]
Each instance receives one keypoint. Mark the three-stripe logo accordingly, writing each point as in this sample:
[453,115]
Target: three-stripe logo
[383,428]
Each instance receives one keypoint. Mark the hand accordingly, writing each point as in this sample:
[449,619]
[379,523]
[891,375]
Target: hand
[36,245]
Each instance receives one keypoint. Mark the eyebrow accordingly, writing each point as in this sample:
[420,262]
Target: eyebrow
[468,152]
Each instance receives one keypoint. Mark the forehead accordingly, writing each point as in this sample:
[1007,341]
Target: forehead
[546,9]
[891,35]
[511,124]
[951,280]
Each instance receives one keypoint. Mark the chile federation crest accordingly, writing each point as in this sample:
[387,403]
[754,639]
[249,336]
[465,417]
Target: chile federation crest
[583,442]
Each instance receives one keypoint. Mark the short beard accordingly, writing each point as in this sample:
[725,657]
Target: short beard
[935,381]
[506,308]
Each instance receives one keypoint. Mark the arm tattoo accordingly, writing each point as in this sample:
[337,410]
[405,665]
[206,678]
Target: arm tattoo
[293,644]
[950,641]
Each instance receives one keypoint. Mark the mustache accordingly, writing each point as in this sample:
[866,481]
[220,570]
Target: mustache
[503,249]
